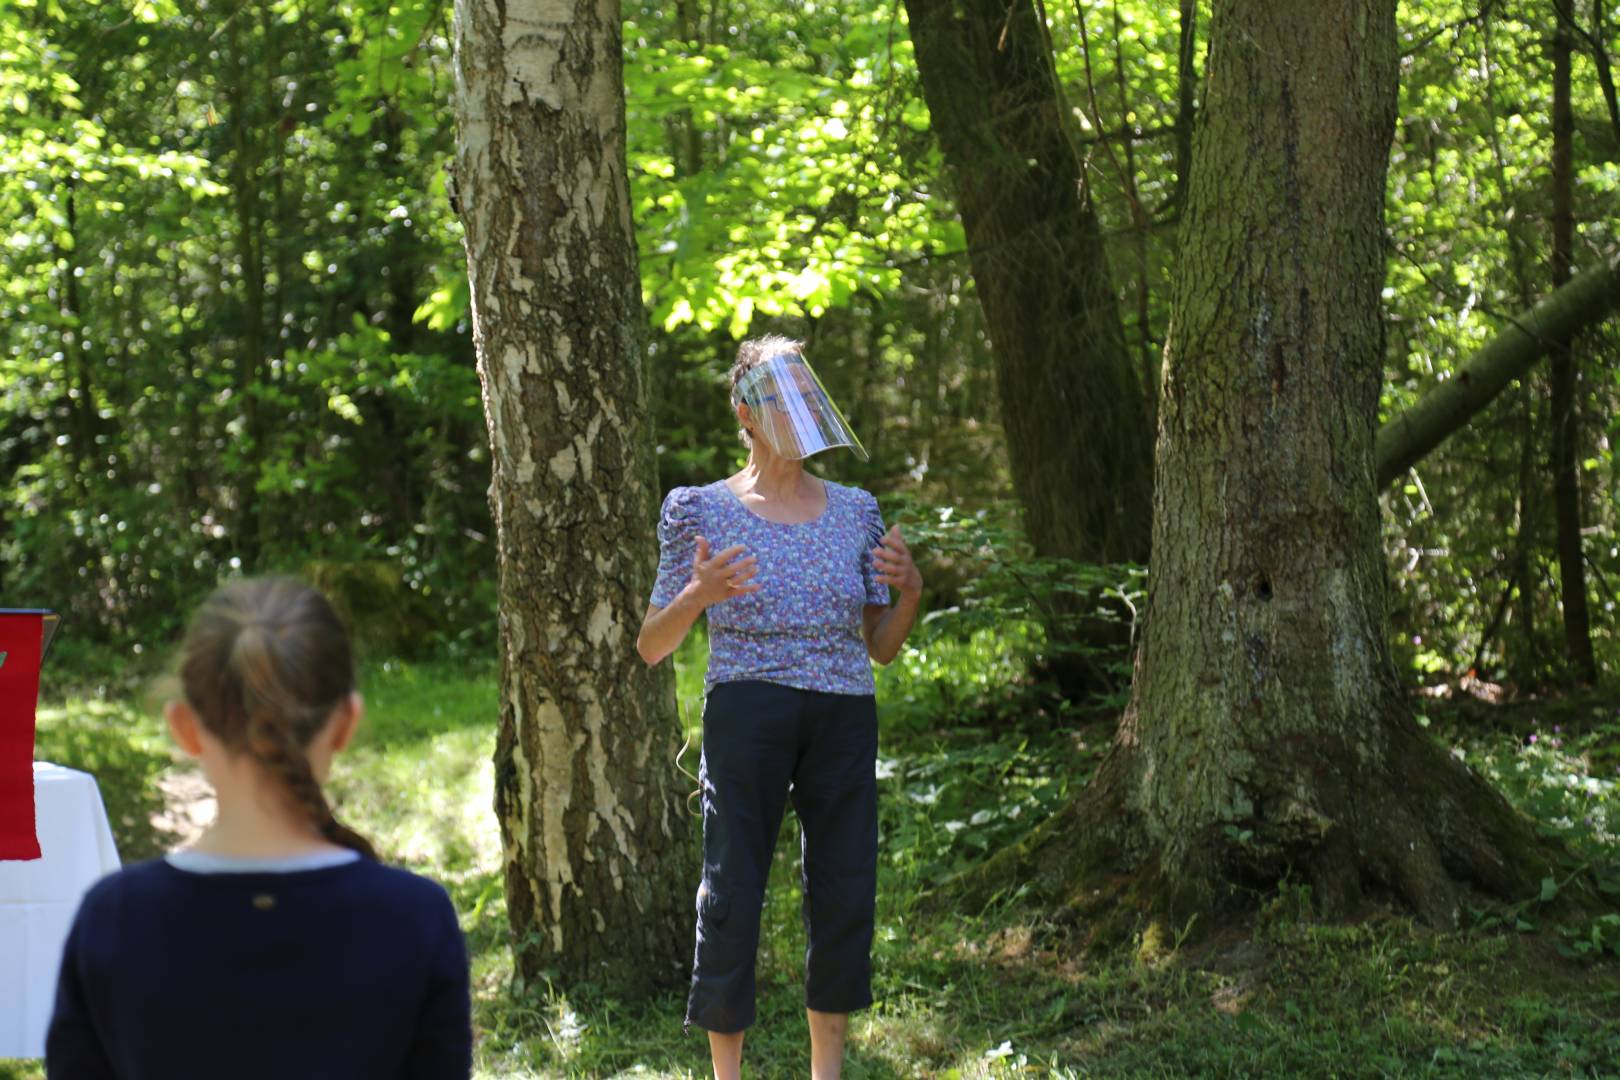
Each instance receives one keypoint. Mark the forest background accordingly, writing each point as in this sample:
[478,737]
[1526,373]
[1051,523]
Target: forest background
[234,323]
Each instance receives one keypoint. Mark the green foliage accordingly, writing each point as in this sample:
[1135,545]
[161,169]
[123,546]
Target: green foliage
[959,793]
[981,676]
[778,176]
[1470,530]
[993,588]
[1566,782]
[233,312]
[1569,784]
[219,234]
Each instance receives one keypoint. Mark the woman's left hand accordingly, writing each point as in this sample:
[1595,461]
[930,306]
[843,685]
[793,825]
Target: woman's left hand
[894,564]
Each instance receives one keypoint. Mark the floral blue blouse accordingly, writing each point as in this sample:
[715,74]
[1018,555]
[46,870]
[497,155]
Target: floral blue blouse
[803,627]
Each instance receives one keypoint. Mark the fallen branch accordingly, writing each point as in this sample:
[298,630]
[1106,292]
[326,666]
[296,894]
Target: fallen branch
[1585,300]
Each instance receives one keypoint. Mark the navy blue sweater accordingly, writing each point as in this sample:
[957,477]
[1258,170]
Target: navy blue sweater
[353,971]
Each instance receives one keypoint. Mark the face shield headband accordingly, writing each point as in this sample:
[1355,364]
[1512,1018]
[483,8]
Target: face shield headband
[792,410]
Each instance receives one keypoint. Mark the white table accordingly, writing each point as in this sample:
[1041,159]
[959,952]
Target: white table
[38,899]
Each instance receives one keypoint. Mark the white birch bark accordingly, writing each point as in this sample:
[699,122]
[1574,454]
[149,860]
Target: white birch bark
[595,841]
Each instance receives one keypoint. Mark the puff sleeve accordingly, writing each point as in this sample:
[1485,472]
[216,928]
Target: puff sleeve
[873,530]
[678,527]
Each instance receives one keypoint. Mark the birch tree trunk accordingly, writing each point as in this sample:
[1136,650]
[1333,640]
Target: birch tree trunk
[596,851]
[1267,736]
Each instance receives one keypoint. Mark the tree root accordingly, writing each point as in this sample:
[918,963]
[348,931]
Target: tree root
[1422,831]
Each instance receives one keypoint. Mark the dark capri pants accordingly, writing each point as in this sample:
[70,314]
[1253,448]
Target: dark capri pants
[764,743]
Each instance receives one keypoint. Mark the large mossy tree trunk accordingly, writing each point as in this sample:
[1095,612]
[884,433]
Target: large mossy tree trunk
[1267,736]
[1077,421]
[596,858]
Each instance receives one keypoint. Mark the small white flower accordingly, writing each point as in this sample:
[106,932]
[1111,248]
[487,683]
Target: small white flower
[925,798]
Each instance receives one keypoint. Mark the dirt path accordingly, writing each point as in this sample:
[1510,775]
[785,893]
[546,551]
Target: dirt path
[188,805]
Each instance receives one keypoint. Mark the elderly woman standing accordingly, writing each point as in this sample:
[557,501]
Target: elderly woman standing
[794,573]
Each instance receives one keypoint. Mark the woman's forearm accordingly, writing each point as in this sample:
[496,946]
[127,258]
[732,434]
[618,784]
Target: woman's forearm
[663,629]
[889,635]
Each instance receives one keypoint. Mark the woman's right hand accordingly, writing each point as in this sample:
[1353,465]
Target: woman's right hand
[721,576]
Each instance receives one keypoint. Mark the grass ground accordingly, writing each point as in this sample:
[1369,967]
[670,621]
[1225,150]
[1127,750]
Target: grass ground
[991,994]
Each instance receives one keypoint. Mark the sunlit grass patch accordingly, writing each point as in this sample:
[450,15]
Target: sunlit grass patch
[418,779]
[125,746]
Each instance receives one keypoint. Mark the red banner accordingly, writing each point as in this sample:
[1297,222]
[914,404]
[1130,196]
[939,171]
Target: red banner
[22,637]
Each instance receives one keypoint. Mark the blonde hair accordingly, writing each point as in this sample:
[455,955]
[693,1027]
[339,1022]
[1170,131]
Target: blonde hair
[751,354]
[264,663]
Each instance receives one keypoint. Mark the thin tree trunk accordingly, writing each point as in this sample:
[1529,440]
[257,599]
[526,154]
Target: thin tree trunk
[690,152]
[1566,475]
[83,415]
[1605,70]
[596,846]
[250,255]
[1186,98]
[1524,661]
[1139,219]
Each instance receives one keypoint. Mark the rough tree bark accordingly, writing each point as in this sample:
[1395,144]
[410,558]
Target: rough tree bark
[596,857]
[1267,735]
[1077,417]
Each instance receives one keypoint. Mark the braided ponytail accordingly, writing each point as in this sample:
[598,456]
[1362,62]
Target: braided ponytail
[264,664]
[272,744]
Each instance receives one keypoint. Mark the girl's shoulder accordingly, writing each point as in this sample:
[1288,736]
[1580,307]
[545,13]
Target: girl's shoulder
[157,882]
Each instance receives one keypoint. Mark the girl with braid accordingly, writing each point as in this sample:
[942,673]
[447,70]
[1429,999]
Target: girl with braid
[276,945]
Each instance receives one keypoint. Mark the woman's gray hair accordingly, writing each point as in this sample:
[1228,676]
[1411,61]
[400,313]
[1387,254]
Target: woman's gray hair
[751,354]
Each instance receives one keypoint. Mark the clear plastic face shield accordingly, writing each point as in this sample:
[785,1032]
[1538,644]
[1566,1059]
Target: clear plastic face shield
[792,410]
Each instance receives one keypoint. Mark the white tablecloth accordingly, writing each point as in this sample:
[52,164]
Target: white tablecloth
[38,899]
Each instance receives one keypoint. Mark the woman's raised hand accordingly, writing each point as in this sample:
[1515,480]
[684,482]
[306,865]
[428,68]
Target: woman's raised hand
[722,576]
[894,563]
